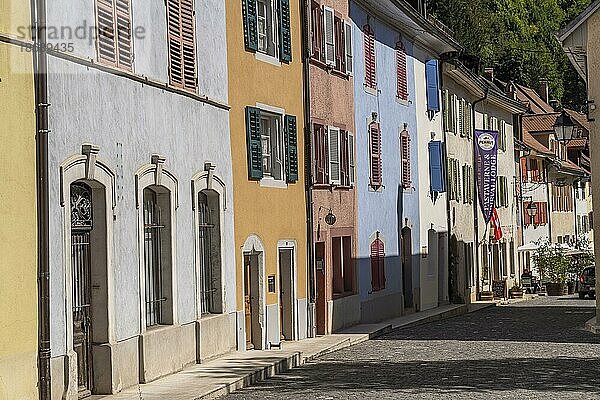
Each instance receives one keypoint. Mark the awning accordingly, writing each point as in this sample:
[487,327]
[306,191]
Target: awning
[528,247]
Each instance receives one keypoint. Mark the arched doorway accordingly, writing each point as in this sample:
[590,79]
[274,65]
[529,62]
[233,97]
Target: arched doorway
[89,283]
[407,274]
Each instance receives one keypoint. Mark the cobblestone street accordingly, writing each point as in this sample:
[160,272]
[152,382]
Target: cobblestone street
[530,350]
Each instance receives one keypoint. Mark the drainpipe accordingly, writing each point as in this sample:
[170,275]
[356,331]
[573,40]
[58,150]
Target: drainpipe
[476,198]
[40,64]
[312,273]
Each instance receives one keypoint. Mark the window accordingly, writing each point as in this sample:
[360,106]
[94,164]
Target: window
[343,265]
[340,45]
[157,256]
[454,179]
[209,249]
[114,43]
[377,264]
[432,80]
[317,38]
[468,183]
[321,151]
[501,191]
[334,156]
[436,166]
[272,145]
[267,27]
[376,180]
[531,170]
[405,155]
[331,39]
[401,79]
[346,158]
[370,63]
[181,38]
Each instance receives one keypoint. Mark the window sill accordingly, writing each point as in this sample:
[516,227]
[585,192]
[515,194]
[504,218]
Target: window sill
[267,59]
[370,90]
[272,183]
[376,189]
[209,316]
[402,102]
[337,296]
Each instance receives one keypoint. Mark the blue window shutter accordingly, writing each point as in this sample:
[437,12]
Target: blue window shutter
[436,166]
[432,78]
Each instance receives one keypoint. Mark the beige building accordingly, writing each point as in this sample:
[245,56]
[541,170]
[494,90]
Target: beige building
[581,41]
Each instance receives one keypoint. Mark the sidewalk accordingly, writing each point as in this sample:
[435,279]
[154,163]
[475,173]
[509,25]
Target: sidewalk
[240,369]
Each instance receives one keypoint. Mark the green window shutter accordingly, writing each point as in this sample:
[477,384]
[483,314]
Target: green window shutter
[250,24]
[291,148]
[285,34]
[253,143]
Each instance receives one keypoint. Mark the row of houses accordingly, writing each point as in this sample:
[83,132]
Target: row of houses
[194,177]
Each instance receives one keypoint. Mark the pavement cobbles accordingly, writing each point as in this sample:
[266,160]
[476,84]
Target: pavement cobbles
[536,349]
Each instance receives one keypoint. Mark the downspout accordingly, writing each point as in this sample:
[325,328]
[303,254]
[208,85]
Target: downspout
[312,273]
[549,198]
[476,198]
[40,69]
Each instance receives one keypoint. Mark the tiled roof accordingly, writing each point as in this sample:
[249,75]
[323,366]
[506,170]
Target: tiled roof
[577,143]
[535,144]
[540,122]
[532,99]
[580,118]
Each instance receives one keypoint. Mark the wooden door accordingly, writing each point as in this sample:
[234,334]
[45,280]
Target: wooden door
[321,303]
[248,301]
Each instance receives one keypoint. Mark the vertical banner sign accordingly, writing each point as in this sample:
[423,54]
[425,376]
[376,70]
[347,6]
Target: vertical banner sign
[486,156]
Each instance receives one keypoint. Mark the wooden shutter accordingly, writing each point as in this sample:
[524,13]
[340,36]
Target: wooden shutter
[375,154]
[107,46]
[351,161]
[431,76]
[436,168]
[349,50]
[401,79]
[405,153]
[370,64]
[377,265]
[470,120]
[321,157]
[316,26]
[181,38]
[461,117]
[124,47]
[329,31]
[250,17]
[285,34]
[333,136]
[524,169]
[446,110]
[344,175]
[291,147]
[253,143]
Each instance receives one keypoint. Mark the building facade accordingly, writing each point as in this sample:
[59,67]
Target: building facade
[334,165]
[264,46]
[142,268]
[18,210]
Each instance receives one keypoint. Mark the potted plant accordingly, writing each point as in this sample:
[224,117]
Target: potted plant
[516,292]
[554,266]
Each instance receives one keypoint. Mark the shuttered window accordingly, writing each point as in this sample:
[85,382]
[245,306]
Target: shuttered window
[447,109]
[250,17]
[524,176]
[329,31]
[462,123]
[375,155]
[469,120]
[291,148]
[114,42]
[377,265]
[436,166]
[349,50]
[181,39]
[432,79]
[467,182]
[502,136]
[321,151]
[405,155]
[285,34]
[333,136]
[344,172]
[454,190]
[340,45]
[317,37]
[401,79]
[502,191]
[254,144]
[351,159]
[267,27]
[370,64]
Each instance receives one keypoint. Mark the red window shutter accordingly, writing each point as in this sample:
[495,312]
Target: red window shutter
[524,169]
[181,38]
[375,151]
[321,154]
[401,80]
[377,265]
[370,66]
[405,153]
[317,31]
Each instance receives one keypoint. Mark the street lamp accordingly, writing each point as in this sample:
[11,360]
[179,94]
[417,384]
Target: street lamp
[564,128]
[531,209]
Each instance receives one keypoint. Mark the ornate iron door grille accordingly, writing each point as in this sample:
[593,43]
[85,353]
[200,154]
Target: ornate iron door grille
[153,228]
[206,227]
[81,226]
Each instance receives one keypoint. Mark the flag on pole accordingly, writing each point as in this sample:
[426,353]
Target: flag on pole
[496,225]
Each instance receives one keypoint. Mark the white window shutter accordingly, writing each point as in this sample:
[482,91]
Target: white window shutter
[349,53]
[454,106]
[329,30]
[334,155]
[351,162]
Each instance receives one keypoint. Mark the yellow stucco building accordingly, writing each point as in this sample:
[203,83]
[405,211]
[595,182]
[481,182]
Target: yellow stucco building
[267,119]
[18,287]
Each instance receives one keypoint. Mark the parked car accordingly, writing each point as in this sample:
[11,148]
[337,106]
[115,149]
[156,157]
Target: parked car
[587,283]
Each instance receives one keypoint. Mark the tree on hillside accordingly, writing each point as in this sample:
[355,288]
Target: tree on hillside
[517,39]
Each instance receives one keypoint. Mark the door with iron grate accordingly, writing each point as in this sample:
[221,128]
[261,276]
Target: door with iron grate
[153,251]
[81,226]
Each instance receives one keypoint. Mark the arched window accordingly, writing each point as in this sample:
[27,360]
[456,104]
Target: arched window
[157,256]
[377,264]
[209,243]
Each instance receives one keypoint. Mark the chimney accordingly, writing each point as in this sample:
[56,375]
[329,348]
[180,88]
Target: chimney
[543,91]
[489,73]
